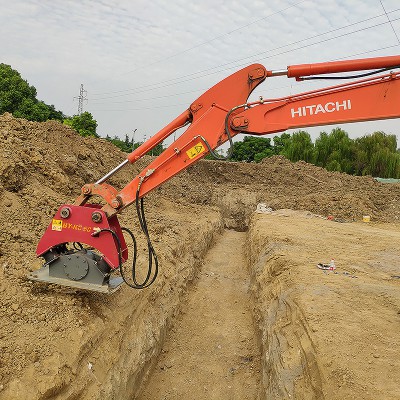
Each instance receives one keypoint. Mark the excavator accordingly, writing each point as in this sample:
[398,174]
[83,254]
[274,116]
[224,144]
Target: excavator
[84,245]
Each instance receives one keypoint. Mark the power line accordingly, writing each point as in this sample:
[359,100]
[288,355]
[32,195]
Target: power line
[235,65]
[153,107]
[145,108]
[298,48]
[141,99]
[209,41]
[395,33]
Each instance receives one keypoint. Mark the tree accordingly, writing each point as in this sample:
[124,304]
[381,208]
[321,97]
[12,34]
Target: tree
[299,147]
[252,149]
[84,124]
[335,150]
[19,98]
[127,142]
[280,142]
[156,151]
[385,164]
[126,146]
[377,155]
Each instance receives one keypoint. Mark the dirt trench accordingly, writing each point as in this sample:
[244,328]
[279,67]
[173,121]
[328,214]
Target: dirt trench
[261,321]
[322,335]
[212,350]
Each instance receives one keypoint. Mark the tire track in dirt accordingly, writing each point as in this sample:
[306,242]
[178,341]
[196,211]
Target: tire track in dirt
[212,350]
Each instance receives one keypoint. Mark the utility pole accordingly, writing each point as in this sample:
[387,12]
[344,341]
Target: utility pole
[81,98]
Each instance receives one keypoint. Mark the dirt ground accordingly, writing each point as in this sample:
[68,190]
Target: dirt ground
[326,334]
[332,335]
[212,350]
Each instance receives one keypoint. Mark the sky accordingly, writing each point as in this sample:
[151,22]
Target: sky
[142,63]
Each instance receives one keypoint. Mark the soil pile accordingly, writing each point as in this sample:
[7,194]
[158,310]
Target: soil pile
[238,187]
[49,335]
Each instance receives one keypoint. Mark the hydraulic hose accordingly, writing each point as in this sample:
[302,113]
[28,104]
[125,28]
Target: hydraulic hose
[147,281]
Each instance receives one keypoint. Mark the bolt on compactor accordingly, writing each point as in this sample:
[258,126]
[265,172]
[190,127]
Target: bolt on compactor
[84,245]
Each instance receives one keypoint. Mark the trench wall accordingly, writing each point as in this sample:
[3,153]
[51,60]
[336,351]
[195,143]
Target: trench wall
[289,363]
[109,351]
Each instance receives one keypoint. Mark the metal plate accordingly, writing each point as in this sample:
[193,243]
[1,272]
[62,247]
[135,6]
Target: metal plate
[42,275]
[75,267]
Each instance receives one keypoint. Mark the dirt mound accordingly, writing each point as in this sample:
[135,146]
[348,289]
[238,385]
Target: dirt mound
[326,334]
[237,188]
[48,335]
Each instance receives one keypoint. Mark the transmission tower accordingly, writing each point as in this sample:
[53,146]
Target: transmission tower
[81,98]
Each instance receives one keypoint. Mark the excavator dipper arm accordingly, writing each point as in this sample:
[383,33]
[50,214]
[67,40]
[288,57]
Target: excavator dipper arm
[214,118]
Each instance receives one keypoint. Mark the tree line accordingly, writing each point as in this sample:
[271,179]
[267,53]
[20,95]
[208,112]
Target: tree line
[20,99]
[128,146]
[374,154]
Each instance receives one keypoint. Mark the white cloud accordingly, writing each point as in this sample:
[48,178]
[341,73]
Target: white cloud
[117,45]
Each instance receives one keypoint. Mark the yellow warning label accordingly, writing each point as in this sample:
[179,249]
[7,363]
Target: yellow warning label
[56,225]
[195,150]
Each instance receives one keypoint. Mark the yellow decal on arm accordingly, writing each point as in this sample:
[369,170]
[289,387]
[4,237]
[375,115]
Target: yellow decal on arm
[56,225]
[195,150]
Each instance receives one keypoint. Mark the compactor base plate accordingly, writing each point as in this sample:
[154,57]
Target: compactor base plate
[42,275]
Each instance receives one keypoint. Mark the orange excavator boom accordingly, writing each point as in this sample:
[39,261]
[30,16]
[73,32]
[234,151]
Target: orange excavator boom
[218,115]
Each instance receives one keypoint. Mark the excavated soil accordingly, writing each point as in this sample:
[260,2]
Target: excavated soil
[326,334]
[318,334]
